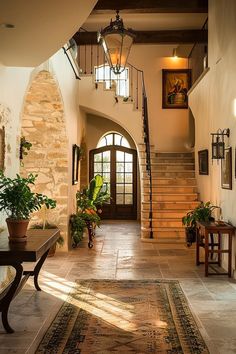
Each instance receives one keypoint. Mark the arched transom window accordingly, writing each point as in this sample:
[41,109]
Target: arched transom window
[113,139]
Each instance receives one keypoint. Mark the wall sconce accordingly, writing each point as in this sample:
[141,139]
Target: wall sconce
[218,144]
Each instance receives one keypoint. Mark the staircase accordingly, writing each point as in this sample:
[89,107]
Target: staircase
[174,192]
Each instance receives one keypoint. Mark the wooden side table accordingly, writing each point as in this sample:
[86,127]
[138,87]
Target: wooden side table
[211,229]
[14,254]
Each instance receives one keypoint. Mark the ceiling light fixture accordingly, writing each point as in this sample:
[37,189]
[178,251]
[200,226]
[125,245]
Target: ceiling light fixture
[174,55]
[116,42]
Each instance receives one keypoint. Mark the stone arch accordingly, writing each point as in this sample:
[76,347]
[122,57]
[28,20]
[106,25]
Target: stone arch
[43,124]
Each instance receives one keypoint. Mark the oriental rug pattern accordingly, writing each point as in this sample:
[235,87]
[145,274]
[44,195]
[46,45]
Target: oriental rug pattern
[124,316]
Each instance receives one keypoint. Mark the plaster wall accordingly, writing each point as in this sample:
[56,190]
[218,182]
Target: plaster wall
[213,103]
[169,128]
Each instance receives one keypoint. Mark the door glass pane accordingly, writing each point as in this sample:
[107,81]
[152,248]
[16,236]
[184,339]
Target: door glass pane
[120,156]
[106,167]
[128,178]
[109,139]
[119,199]
[97,167]
[120,178]
[128,188]
[128,157]
[98,157]
[106,177]
[106,156]
[128,199]
[118,139]
[120,167]
[120,188]
[128,167]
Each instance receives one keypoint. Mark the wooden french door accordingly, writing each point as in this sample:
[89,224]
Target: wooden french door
[118,166]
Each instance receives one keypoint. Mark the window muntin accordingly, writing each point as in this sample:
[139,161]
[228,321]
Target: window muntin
[113,139]
[104,74]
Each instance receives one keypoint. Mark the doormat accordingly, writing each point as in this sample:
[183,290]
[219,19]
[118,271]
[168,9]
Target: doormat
[124,316]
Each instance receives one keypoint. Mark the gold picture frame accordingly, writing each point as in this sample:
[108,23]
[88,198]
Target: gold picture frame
[175,85]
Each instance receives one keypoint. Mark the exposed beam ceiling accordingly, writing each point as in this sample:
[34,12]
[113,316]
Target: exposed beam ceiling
[154,6]
[152,37]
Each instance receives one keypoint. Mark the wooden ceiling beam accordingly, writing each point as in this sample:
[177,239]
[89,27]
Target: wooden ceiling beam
[152,37]
[155,6]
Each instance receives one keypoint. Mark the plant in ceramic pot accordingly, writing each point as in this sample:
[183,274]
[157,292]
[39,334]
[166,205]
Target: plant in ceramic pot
[203,212]
[18,201]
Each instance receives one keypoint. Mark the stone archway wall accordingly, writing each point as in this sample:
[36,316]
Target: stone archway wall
[43,124]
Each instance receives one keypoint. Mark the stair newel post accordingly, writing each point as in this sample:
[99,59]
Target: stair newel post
[131,82]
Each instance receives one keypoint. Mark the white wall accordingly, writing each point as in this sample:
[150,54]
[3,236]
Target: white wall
[212,103]
[169,128]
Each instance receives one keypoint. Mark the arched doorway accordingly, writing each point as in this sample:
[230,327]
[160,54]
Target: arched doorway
[117,163]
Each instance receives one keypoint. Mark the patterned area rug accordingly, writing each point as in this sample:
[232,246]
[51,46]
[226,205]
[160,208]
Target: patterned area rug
[126,316]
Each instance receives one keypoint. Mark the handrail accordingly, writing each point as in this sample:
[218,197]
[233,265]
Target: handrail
[147,146]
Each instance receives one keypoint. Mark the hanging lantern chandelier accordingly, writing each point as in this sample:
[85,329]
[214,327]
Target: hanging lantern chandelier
[116,42]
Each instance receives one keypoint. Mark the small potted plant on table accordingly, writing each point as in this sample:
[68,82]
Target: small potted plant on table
[203,212]
[18,201]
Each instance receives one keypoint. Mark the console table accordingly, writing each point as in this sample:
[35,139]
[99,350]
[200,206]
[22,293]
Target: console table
[211,229]
[14,254]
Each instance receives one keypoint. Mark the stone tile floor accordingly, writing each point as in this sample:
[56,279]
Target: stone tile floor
[118,253]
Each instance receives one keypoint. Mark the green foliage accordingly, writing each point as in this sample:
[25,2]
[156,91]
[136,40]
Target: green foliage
[77,226]
[24,147]
[17,199]
[93,196]
[47,225]
[87,201]
[203,212]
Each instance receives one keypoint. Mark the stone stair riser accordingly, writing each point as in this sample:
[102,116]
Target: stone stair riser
[171,197]
[171,174]
[174,167]
[167,189]
[163,236]
[158,223]
[165,214]
[171,205]
[174,154]
[170,181]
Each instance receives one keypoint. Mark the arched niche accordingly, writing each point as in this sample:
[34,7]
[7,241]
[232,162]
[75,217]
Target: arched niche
[43,125]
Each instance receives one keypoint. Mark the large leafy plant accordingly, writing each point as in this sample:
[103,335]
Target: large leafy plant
[203,212]
[17,199]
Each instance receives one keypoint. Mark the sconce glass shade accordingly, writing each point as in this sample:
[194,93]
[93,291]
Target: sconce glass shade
[218,150]
[218,144]
[116,42]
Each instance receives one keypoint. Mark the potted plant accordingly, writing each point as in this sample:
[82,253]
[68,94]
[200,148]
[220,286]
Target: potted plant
[203,212]
[18,201]
[89,202]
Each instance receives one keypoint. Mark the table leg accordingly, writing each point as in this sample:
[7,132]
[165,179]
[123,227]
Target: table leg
[219,249]
[6,300]
[197,246]
[206,253]
[37,268]
[230,255]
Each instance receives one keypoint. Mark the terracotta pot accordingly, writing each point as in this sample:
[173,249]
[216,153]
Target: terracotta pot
[17,229]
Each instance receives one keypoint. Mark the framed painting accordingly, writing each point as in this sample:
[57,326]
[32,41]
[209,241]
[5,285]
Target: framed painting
[175,85]
[203,162]
[75,163]
[226,170]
